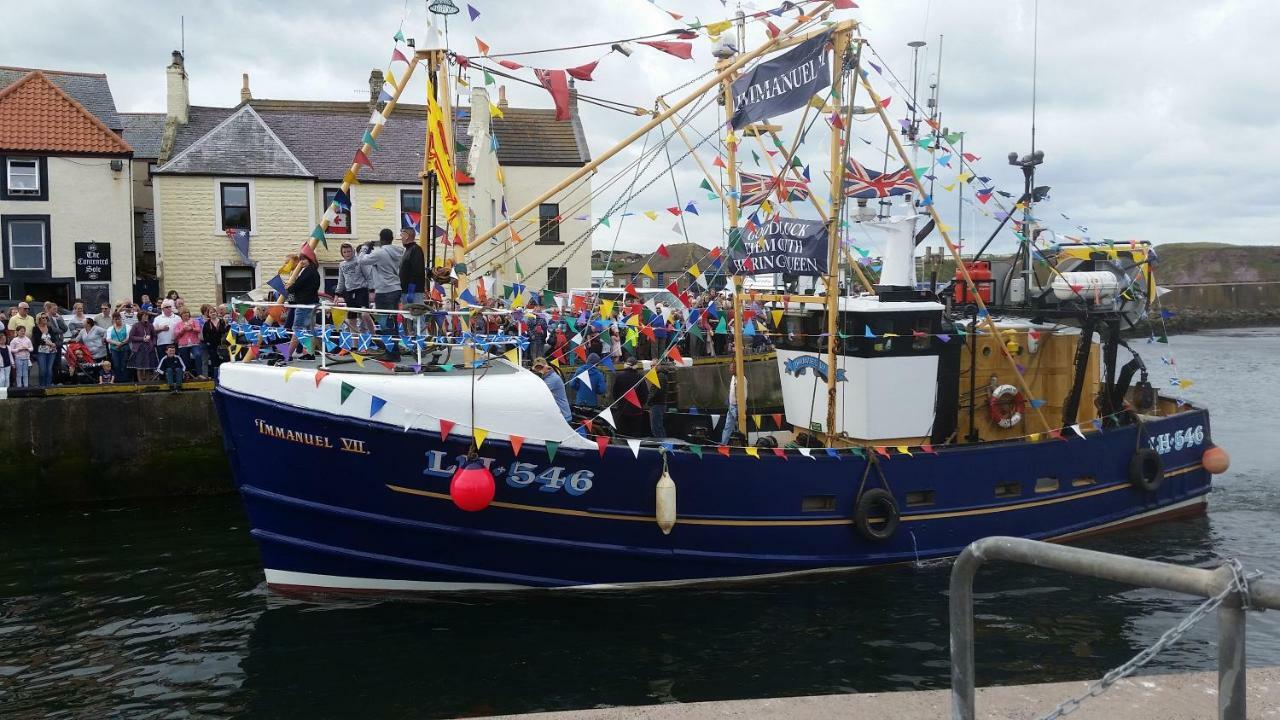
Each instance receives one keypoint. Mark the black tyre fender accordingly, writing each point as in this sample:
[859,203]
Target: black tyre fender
[880,504]
[1146,470]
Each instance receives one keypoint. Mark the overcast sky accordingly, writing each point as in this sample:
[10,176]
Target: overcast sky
[1158,119]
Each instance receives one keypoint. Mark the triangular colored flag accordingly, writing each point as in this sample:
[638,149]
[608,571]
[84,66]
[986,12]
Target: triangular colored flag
[634,444]
[482,46]
[320,375]
[517,442]
[345,392]
[445,427]
[552,447]
[474,13]
[288,372]
[479,434]
[602,443]
[375,405]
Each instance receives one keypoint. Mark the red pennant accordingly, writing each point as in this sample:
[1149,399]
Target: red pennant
[581,352]
[590,428]
[773,29]
[555,82]
[631,397]
[674,352]
[602,442]
[777,420]
[882,451]
[673,288]
[445,427]
[517,442]
[631,290]
[885,102]
[715,252]
[844,4]
[387,364]
[723,450]
[929,449]
[718,162]
[397,55]
[780,453]
[320,374]
[662,250]
[362,159]
[582,72]
[647,331]
[674,210]
[510,64]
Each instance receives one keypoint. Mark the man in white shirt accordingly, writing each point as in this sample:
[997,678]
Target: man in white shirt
[731,417]
[166,326]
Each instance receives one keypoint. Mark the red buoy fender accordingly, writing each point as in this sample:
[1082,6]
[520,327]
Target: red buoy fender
[472,487]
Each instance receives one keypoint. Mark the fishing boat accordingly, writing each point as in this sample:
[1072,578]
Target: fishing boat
[913,422]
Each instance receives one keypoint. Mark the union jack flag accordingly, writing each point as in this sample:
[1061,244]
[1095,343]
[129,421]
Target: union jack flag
[860,182]
[758,188]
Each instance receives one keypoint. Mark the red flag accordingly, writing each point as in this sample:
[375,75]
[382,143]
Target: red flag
[362,159]
[674,15]
[682,50]
[773,29]
[715,252]
[388,365]
[581,352]
[885,102]
[557,84]
[844,4]
[582,72]
[587,424]
[510,64]
[880,450]
[929,449]
[397,55]
[673,288]
[445,427]
[647,331]
[516,443]
[320,374]
[723,450]
[307,252]
[662,250]
[674,352]
[602,442]
[631,397]
[777,420]
[674,210]
[780,453]
[631,290]
[718,162]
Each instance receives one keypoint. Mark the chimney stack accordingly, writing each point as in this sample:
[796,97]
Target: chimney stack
[502,96]
[177,102]
[245,95]
[376,81]
[573,96]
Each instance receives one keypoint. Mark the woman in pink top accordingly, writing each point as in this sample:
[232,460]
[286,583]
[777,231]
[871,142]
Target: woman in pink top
[187,336]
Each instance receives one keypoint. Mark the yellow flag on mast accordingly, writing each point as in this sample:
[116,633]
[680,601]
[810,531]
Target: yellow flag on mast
[438,152]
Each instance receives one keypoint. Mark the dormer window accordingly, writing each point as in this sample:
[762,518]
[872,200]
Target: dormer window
[24,179]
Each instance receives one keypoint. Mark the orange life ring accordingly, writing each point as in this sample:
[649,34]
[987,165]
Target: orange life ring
[1006,414]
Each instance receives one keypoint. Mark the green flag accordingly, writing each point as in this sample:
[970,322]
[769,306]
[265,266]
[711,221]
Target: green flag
[705,185]
[399,36]
[755,157]
[695,449]
[488,79]
[518,270]
[346,391]
[605,221]
[548,298]
[552,447]
[796,162]
[721,328]
[368,140]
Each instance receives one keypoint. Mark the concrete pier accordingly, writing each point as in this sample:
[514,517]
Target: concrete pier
[1183,696]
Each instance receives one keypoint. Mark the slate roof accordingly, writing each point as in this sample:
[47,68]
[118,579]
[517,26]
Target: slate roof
[681,255]
[241,144]
[89,89]
[144,132]
[37,115]
[325,135]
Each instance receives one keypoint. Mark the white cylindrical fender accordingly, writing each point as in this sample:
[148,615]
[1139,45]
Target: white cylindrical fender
[665,503]
[1091,284]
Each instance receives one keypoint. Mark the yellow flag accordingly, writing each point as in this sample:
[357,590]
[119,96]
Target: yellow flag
[512,355]
[652,376]
[716,28]
[950,187]
[289,372]
[646,270]
[777,318]
[502,179]
[964,176]
[903,450]
[231,339]
[495,111]
[651,214]
[634,321]
[1034,437]
[479,434]
[606,308]
[555,362]
[694,272]
[438,153]
[379,204]
[753,452]
[350,178]
[1184,384]
[766,208]
[756,419]
[390,78]
[358,358]
[339,316]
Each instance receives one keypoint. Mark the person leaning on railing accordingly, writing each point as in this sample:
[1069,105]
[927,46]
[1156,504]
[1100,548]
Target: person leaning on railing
[305,290]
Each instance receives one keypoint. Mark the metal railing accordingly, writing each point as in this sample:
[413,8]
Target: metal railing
[1227,589]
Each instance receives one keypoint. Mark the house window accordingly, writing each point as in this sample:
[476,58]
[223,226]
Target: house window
[329,278]
[28,244]
[549,224]
[411,209]
[557,279]
[237,281]
[235,206]
[6,293]
[341,222]
[23,176]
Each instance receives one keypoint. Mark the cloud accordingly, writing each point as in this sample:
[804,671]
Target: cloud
[1158,121]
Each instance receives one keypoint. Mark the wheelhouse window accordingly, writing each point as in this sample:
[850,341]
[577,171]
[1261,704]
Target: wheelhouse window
[411,209]
[341,222]
[234,204]
[28,244]
[23,177]
[549,224]
[237,281]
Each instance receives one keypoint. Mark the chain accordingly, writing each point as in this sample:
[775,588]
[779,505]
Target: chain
[1239,584]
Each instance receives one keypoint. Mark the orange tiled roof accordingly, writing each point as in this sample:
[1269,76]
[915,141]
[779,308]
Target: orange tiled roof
[37,116]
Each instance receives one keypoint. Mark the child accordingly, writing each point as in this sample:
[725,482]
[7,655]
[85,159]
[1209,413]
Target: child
[6,361]
[105,376]
[20,348]
[172,367]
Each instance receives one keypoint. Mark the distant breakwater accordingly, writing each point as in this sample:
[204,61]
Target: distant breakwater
[1220,305]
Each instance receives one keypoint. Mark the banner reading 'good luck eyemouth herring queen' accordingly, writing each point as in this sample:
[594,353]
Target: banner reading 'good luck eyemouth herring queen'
[782,84]
[787,245]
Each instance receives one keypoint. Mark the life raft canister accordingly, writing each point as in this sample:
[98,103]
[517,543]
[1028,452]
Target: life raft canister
[881,503]
[1006,415]
[1146,470]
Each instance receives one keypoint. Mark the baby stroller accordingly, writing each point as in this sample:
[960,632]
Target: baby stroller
[81,369]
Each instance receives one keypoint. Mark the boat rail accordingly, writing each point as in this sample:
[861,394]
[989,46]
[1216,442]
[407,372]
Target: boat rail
[1227,588]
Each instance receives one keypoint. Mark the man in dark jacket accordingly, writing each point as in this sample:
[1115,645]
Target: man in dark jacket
[305,290]
[413,267]
[631,419]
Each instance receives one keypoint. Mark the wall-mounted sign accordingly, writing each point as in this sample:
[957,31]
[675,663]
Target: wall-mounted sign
[93,262]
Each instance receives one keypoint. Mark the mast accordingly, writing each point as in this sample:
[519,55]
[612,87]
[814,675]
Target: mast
[739,362]
[839,151]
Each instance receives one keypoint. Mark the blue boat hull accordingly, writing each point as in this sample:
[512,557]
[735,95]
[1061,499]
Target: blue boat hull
[343,504]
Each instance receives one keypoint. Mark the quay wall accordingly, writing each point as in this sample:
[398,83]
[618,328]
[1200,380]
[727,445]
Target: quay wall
[93,447]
